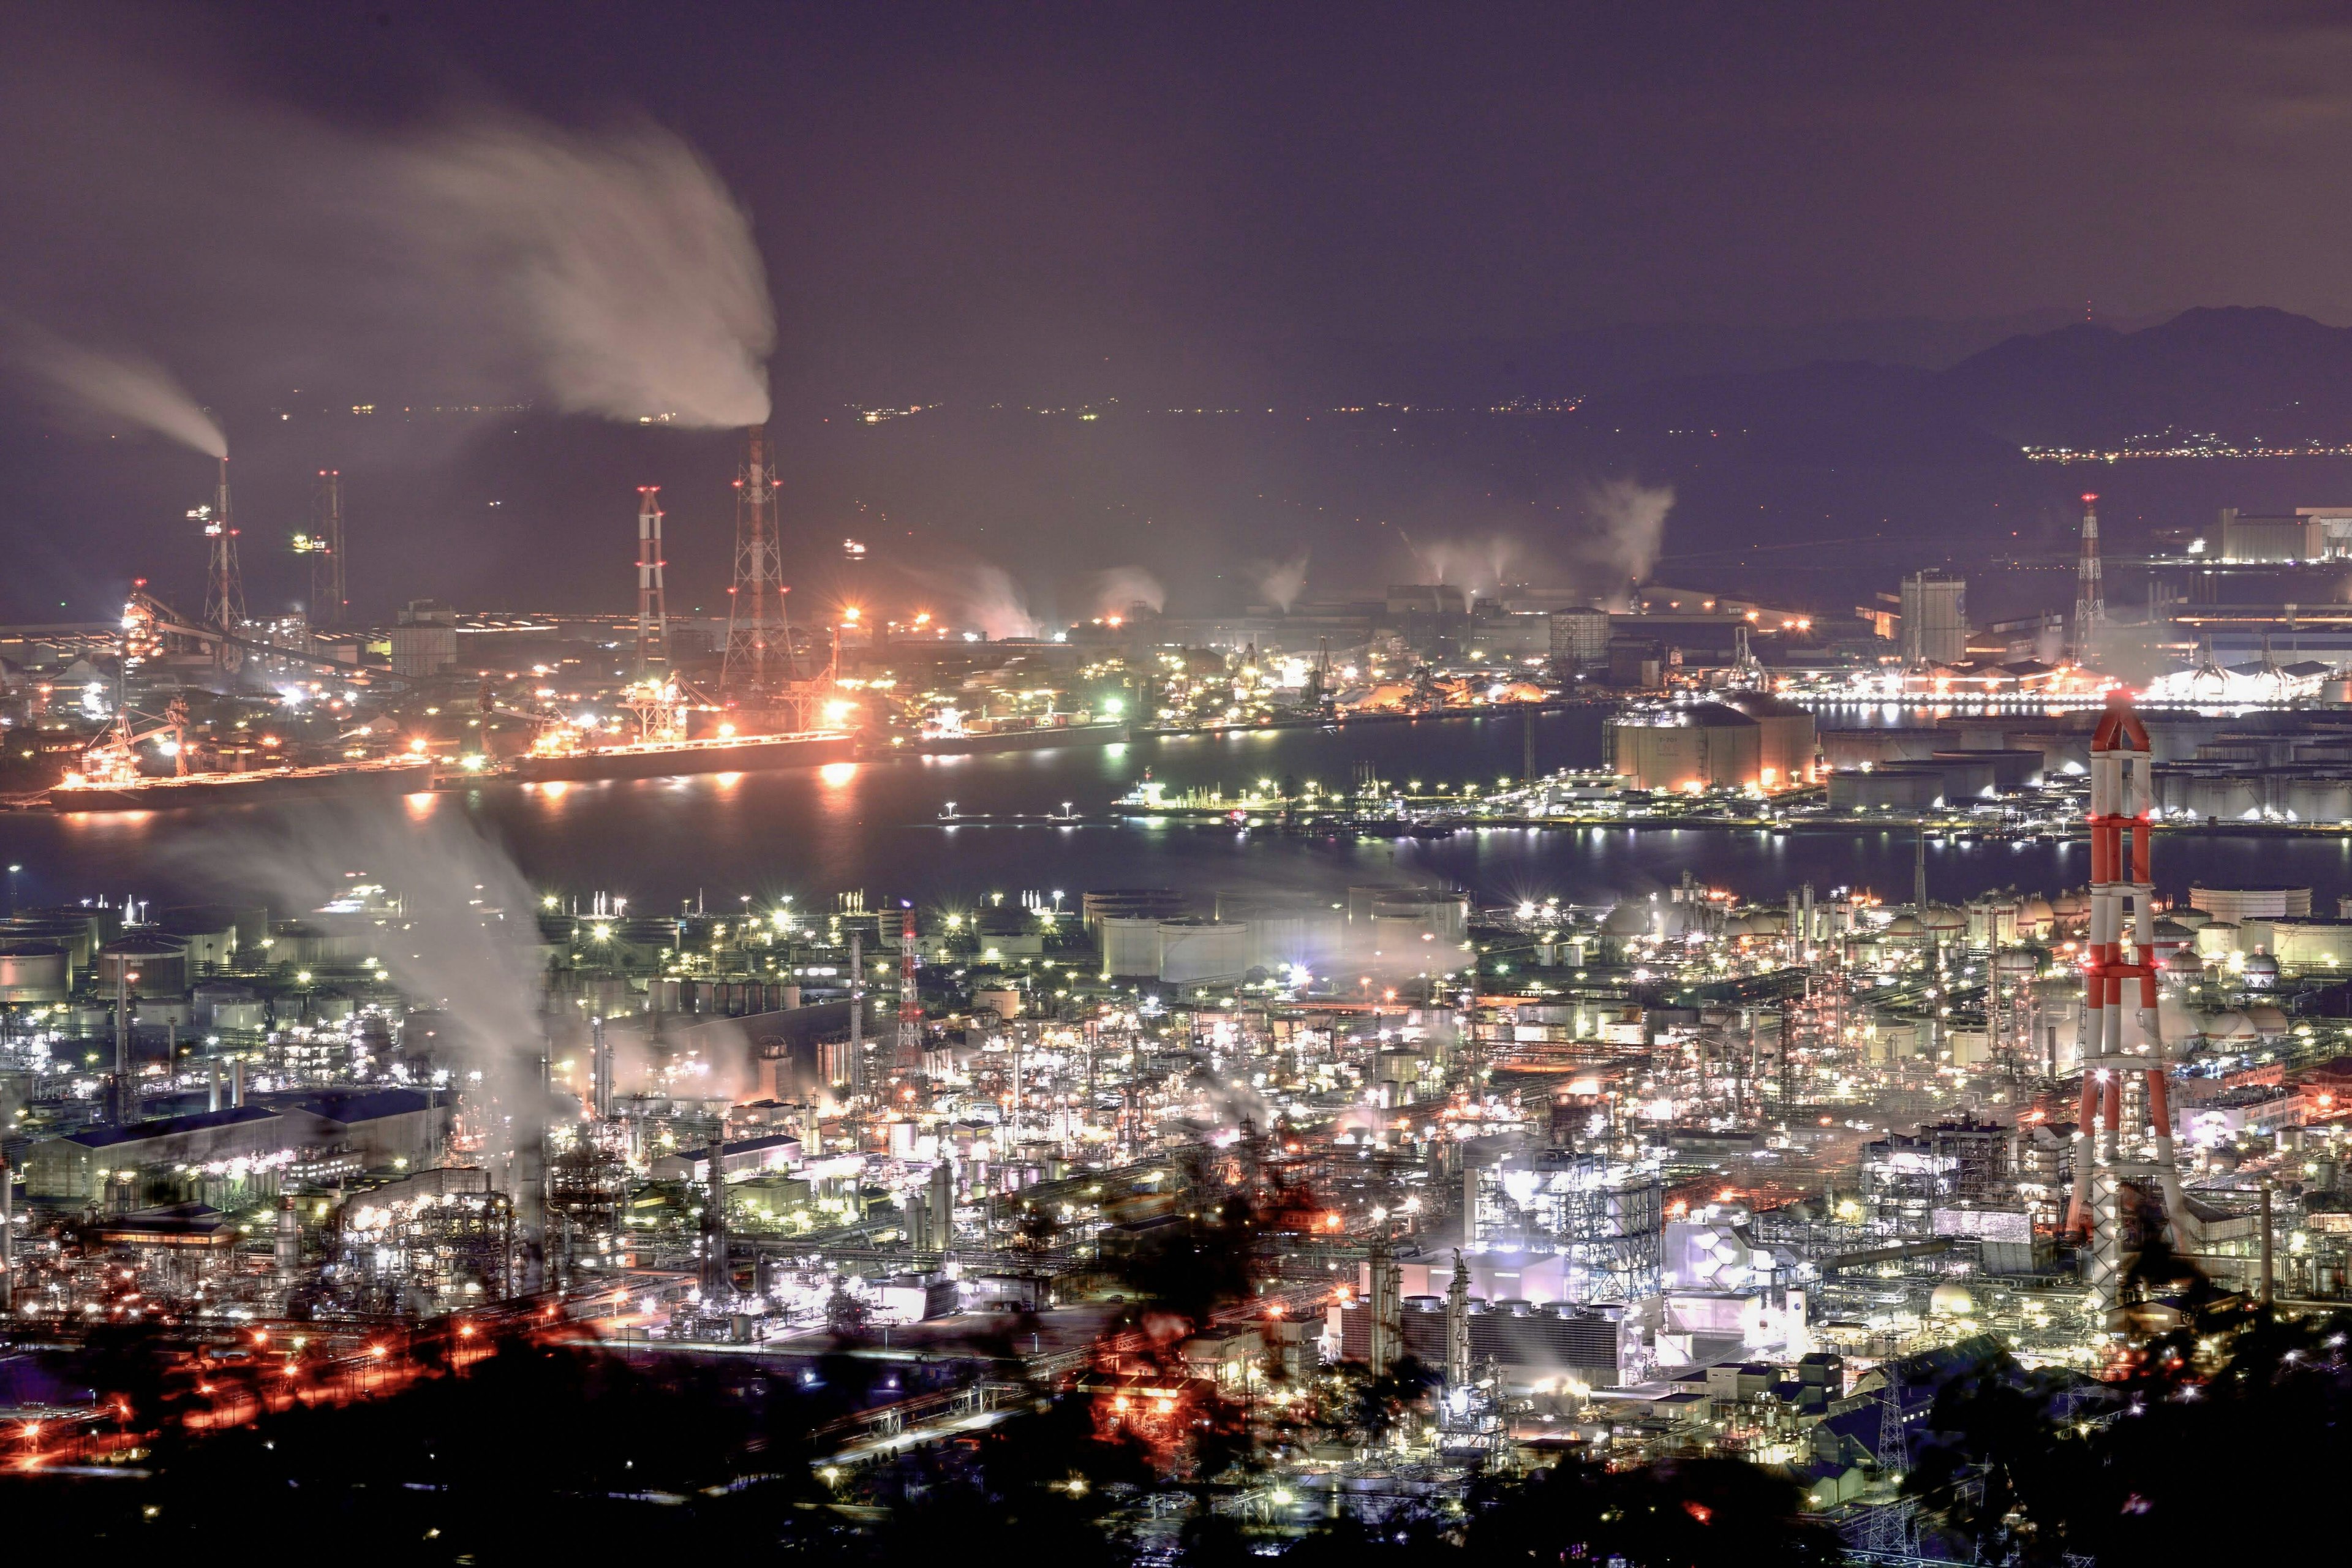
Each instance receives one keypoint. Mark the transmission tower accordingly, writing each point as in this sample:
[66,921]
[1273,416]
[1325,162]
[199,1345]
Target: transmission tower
[759,645]
[653,609]
[224,587]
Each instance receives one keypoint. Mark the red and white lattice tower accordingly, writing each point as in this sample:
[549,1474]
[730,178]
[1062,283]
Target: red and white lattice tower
[2122,1139]
[910,1002]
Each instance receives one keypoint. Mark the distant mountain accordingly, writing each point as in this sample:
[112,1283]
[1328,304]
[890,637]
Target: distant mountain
[2241,374]
[1480,372]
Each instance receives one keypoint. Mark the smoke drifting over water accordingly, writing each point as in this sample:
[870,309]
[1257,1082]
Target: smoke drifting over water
[1283,582]
[125,387]
[1121,588]
[630,266]
[1631,522]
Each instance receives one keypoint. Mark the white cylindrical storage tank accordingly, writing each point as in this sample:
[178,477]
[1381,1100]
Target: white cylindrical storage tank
[1131,947]
[1195,951]
[33,972]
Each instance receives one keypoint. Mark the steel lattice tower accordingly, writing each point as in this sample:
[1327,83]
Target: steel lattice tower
[910,1003]
[2090,589]
[223,585]
[653,607]
[758,647]
[2124,1134]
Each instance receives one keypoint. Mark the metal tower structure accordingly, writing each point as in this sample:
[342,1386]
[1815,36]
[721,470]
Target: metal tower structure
[653,607]
[331,597]
[223,585]
[910,1002]
[759,640]
[2090,590]
[2123,1137]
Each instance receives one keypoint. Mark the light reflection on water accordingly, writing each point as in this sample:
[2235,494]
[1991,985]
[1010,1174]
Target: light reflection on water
[876,825]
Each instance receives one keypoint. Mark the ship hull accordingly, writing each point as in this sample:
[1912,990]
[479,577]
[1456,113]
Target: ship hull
[208,790]
[1016,741]
[757,753]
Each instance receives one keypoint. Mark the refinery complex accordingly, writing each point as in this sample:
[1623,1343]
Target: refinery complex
[1529,788]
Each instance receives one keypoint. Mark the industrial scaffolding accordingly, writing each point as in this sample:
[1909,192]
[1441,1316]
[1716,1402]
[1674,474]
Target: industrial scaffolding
[1605,1217]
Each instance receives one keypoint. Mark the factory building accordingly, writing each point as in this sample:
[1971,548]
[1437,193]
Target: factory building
[1935,618]
[2307,533]
[324,1136]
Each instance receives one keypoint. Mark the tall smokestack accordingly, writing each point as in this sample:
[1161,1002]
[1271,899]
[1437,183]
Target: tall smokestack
[2090,590]
[856,1018]
[223,585]
[125,1108]
[600,1071]
[289,1239]
[7,1240]
[530,1181]
[756,647]
[653,606]
[717,1283]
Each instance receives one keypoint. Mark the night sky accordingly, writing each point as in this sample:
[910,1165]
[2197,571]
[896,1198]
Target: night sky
[1291,207]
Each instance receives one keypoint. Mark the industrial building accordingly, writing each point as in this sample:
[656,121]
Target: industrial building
[1745,742]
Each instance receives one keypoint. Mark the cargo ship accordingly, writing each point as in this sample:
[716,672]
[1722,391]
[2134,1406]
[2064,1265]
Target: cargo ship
[1009,735]
[664,759]
[388,776]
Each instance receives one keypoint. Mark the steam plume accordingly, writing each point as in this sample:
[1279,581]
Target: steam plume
[1631,519]
[126,387]
[466,940]
[993,605]
[1282,582]
[630,267]
[1121,588]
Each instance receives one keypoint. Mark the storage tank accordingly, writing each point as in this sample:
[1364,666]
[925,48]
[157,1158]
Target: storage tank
[33,972]
[1194,950]
[75,936]
[2316,799]
[1131,947]
[158,962]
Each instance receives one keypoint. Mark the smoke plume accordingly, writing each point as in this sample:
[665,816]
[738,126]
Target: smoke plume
[1630,522]
[987,599]
[466,938]
[1283,580]
[1121,588]
[125,387]
[624,260]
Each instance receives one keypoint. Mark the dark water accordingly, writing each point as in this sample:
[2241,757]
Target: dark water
[813,832]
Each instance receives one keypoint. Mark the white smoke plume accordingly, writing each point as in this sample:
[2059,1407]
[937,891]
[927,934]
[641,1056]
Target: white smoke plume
[466,939]
[125,386]
[1283,580]
[1120,588]
[1629,524]
[626,263]
[991,603]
